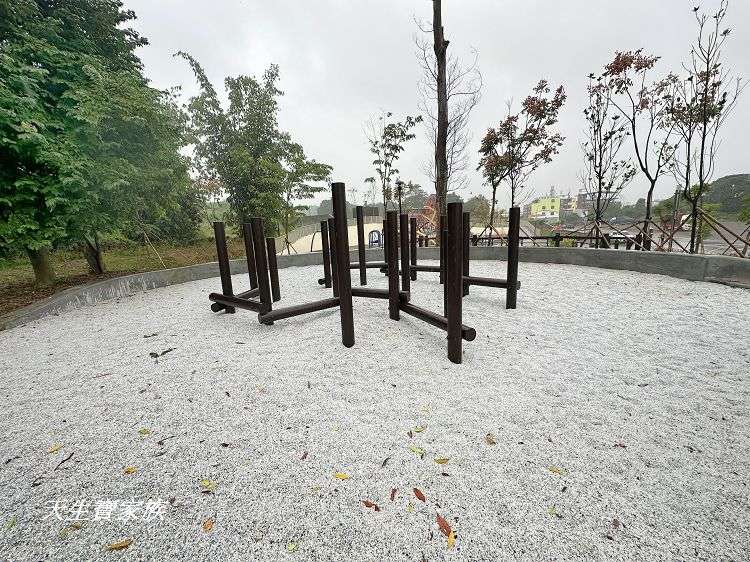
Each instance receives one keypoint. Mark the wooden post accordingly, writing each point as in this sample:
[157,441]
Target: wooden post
[557,239]
[514,225]
[454,280]
[465,233]
[444,267]
[247,235]
[392,265]
[342,257]
[404,238]
[326,253]
[222,257]
[361,245]
[413,246]
[443,243]
[261,264]
[334,257]
[385,247]
[273,269]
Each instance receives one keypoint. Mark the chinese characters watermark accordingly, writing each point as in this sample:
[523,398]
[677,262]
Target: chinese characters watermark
[106,510]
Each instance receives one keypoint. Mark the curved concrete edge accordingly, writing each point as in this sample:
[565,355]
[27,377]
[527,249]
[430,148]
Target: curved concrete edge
[715,269]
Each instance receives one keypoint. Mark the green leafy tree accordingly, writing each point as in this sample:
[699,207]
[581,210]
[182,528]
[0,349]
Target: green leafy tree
[241,145]
[301,182]
[479,207]
[387,139]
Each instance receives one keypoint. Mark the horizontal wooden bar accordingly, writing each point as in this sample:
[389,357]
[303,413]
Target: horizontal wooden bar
[467,333]
[427,268]
[368,265]
[235,301]
[370,293]
[488,282]
[297,310]
[217,307]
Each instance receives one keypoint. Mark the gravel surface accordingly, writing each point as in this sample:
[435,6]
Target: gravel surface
[606,418]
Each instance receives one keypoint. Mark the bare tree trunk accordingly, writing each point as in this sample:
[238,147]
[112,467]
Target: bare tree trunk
[92,251]
[441,158]
[44,274]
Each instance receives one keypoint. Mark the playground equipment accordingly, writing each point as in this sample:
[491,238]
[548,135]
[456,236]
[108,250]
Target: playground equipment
[262,265]
[409,253]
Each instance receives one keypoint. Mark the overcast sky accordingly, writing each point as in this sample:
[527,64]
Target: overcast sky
[343,61]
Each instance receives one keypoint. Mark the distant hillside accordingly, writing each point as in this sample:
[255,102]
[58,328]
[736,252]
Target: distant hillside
[730,192]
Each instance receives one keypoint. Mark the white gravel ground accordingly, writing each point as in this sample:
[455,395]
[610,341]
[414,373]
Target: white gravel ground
[617,402]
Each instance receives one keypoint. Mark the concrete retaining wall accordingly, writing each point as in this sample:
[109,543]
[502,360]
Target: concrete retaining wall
[715,269]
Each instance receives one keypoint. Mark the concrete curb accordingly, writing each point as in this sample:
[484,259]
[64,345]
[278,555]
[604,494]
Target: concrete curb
[730,271]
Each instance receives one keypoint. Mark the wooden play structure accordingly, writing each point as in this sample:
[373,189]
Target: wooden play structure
[264,281]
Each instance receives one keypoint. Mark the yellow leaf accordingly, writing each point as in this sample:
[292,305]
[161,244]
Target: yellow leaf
[416,450]
[552,510]
[420,428]
[342,476]
[292,547]
[130,469]
[11,522]
[451,540]
[441,460]
[208,525]
[409,508]
[66,531]
[556,470]
[121,545]
[54,449]
[208,485]
[143,431]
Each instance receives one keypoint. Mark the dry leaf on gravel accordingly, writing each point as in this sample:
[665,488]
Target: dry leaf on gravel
[120,545]
[451,540]
[209,486]
[556,470]
[370,504]
[419,494]
[441,460]
[341,476]
[54,449]
[208,525]
[393,493]
[130,469]
[490,439]
[445,528]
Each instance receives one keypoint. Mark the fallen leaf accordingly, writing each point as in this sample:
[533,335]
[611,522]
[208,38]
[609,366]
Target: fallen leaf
[341,476]
[441,460]
[393,493]
[209,486]
[121,545]
[556,470]
[553,511]
[445,528]
[616,523]
[11,522]
[385,462]
[420,428]
[291,547]
[419,494]
[409,508]
[143,431]
[304,456]
[65,531]
[451,540]
[490,439]
[621,445]
[417,450]
[130,469]
[370,504]
[208,525]
[410,434]
[54,449]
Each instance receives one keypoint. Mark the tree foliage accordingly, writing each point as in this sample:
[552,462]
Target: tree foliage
[522,142]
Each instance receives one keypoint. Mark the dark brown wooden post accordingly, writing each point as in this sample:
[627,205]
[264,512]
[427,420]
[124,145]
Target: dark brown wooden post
[273,269]
[404,239]
[261,264]
[334,258]
[413,246]
[361,245]
[222,256]
[385,246]
[392,265]
[443,244]
[514,225]
[444,266]
[326,253]
[558,238]
[466,233]
[342,257]
[454,280]
[247,235]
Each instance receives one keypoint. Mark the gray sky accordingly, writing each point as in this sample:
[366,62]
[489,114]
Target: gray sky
[342,61]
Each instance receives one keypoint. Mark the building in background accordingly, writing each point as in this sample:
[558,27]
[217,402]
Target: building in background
[545,208]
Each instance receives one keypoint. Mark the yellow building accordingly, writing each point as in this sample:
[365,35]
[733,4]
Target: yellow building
[547,207]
